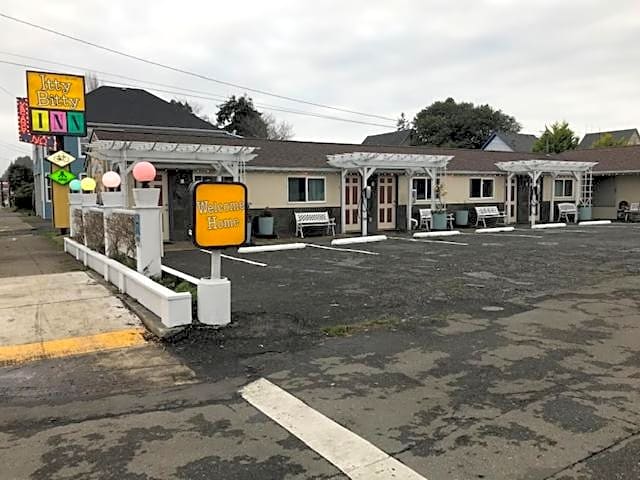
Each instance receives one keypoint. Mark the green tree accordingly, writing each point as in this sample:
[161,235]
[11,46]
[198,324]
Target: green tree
[608,140]
[460,125]
[20,178]
[238,115]
[556,139]
[402,123]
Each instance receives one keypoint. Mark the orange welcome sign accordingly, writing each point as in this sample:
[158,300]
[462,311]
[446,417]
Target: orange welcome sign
[55,91]
[219,214]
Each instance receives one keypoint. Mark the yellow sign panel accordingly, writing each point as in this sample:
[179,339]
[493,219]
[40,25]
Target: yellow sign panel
[60,203]
[61,158]
[55,91]
[219,214]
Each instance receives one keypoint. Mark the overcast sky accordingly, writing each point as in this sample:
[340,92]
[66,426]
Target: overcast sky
[540,60]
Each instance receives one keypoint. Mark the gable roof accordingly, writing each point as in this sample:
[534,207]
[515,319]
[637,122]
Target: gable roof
[518,142]
[400,137]
[133,106]
[612,159]
[590,138]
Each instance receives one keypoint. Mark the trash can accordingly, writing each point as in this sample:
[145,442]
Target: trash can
[584,212]
[439,220]
[462,218]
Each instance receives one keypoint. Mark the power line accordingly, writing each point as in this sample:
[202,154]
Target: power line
[181,90]
[187,72]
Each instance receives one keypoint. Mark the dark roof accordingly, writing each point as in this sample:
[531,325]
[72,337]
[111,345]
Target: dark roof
[400,137]
[132,106]
[518,142]
[613,159]
[590,138]
[295,154]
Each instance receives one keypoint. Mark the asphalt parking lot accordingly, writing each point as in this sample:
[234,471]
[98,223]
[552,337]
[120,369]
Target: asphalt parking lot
[512,356]
[506,356]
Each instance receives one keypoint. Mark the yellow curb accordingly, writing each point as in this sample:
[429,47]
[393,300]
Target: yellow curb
[71,346]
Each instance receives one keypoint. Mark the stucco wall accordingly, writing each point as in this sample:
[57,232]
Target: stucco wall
[271,190]
[627,188]
[458,189]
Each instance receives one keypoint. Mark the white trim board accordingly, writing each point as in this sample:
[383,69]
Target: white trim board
[353,455]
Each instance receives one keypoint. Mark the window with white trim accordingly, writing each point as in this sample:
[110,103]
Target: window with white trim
[481,187]
[563,188]
[48,190]
[422,187]
[306,189]
[211,177]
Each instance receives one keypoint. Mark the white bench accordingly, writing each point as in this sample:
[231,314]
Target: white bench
[632,211]
[314,219]
[482,213]
[566,209]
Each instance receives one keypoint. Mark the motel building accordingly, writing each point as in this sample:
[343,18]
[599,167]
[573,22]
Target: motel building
[367,188]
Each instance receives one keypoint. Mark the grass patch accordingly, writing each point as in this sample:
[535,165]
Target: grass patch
[178,285]
[54,237]
[360,327]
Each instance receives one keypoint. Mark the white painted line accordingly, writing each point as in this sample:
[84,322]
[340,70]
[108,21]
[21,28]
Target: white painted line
[244,260]
[347,241]
[324,247]
[510,235]
[495,230]
[353,455]
[596,222]
[425,240]
[549,225]
[272,248]
[436,234]
[179,274]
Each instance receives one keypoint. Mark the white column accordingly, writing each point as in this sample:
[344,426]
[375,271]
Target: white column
[507,207]
[343,207]
[409,199]
[534,197]
[110,201]
[552,206]
[214,295]
[365,173]
[149,245]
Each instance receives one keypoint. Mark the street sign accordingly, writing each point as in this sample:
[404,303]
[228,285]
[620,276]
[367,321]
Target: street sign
[61,159]
[62,176]
[219,214]
[56,104]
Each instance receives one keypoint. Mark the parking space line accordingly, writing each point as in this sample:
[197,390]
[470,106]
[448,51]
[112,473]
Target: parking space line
[353,250]
[244,260]
[510,235]
[353,455]
[424,240]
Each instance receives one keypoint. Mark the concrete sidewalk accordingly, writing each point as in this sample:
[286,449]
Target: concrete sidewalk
[48,306]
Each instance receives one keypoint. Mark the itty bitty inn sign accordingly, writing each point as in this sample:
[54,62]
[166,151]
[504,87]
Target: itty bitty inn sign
[56,104]
[219,217]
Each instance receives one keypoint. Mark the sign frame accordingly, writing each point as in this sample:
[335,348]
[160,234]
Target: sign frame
[68,112]
[193,188]
[66,159]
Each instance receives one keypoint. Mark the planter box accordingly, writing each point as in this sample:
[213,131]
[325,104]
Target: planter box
[585,213]
[462,218]
[439,221]
[146,197]
[174,309]
[265,225]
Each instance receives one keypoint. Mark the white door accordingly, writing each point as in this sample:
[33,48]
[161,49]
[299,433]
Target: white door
[162,183]
[386,202]
[352,203]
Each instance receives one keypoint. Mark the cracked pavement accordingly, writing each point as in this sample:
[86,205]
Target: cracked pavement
[510,358]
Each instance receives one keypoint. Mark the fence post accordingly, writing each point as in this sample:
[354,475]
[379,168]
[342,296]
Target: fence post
[148,231]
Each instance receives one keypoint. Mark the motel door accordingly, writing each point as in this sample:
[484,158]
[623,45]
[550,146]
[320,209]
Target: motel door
[161,182]
[352,203]
[386,202]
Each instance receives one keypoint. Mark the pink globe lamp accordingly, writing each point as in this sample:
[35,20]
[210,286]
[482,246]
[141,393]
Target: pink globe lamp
[111,181]
[144,172]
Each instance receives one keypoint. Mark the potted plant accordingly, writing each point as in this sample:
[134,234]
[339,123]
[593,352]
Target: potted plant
[439,214]
[584,210]
[265,222]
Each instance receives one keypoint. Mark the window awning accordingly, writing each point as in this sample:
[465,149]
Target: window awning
[544,166]
[388,161]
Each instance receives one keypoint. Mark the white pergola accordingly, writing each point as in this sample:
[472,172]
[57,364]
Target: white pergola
[366,163]
[224,159]
[582,172]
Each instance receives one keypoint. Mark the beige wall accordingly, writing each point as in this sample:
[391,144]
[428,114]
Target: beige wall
[548,185]
[627,188]
[271,189]
[457,188]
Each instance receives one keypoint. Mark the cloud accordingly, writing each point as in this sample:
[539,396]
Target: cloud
[540,61]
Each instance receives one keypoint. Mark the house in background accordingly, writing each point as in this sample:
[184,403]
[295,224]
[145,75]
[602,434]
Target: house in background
[627,137]
[398,138]
[509,142]
[114,107]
